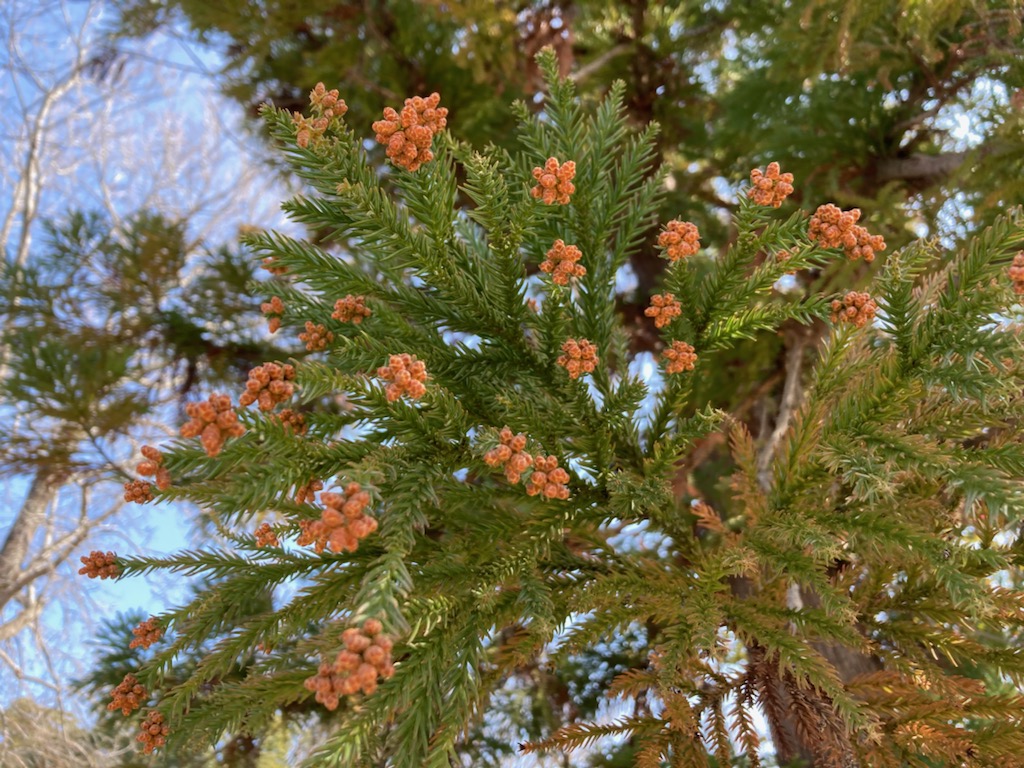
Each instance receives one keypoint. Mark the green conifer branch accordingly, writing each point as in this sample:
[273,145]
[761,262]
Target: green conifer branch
[867,514]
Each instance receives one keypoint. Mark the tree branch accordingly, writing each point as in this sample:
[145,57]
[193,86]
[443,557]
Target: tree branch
[921,167]
[29,519]
[791,395]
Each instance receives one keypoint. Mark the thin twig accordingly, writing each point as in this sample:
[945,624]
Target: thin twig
[792,393]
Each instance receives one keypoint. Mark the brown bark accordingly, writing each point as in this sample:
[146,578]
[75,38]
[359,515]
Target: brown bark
[919,167]
[807,728]
[804,726]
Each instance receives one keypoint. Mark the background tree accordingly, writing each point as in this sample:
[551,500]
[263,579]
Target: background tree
[97,337]
[515,495]
[103,264]
[36,736]
[897,107]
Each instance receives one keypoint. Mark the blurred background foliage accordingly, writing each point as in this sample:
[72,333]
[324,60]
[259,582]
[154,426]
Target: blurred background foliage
[912,110]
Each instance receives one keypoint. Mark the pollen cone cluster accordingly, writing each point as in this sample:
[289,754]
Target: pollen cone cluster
[269,385]
[409,134]
[510,455]
[265,536]
[342,524]
[326,108]
[274,310]
[580,356]
[561,263]
[664,308]
[831,227]
[270,264]
[770,187]
[679,240]
[554,182]
[213,422]
[138,491]
[351,309]
[547,478]
[102,565]
[407,376]
[783,256]
[292,421]
[153,467]
[154,732]
[316,337]
[681,357]
[367,657]
[128,695]
[1016,273]
[304,493]
[147,633]
[856,307]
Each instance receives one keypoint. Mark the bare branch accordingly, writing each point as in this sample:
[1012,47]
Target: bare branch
[792,392]
[927,168]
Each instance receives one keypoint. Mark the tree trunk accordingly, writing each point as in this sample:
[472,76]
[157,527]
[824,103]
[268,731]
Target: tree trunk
[804,726]
[28,521]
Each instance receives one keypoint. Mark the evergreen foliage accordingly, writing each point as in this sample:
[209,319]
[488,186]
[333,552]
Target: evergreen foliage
[114,733]
[849,573]
[99,328]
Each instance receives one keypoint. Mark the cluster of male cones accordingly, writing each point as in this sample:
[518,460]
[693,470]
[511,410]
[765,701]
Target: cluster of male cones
[130,695]
[365,658]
